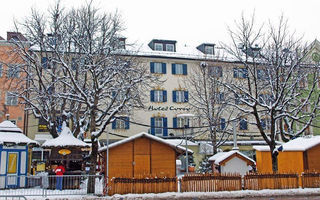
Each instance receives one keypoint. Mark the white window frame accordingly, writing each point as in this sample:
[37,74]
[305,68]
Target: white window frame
[181,122]
[120,124]
[158,122]
[170,47]
[209,50]
[158,67]
[158,95]
[11,99]
[267,122]
[180,96]
[179,68]
[158,46]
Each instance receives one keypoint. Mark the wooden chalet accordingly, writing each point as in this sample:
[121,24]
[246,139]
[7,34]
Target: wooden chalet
[231,162]
[298,155]
[142,155]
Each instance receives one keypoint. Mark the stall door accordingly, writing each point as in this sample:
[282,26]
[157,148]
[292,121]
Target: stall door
[141,166]
[12,170]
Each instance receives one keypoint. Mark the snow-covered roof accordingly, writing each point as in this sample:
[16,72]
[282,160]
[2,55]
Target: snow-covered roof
[65,139]
[143,134]
[221,156]
[181,142]
[10,133]
[298,144]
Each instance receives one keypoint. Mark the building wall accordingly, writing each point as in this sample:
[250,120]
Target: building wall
[7,84]
[313,158]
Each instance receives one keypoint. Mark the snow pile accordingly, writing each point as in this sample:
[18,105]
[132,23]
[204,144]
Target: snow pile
[10,133]
[66,138]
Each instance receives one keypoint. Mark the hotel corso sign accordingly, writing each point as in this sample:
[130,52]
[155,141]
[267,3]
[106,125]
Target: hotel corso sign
[167,108]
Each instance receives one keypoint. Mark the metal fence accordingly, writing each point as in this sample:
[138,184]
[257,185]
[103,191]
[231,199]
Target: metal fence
[48,185]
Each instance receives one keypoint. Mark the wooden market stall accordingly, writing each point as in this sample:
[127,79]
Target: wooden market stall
[14,155]
[298,155]
[142,155]
[231,162]
[69,151]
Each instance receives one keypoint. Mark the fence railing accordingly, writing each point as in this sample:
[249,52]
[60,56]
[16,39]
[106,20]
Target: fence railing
[44,185]
[310,179]
[210,182]
[142,185]
[271,181]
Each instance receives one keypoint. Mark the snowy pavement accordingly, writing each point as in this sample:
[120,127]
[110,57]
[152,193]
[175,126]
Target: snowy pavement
[309,193]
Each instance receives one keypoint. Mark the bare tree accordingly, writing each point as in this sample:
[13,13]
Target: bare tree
[209,100]
[277,88]
[88,75]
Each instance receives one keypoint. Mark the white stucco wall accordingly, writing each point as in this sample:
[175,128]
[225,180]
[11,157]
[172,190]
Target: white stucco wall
[235,165]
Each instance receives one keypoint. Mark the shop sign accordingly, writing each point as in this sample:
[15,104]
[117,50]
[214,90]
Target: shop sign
[64,152]
[167,108]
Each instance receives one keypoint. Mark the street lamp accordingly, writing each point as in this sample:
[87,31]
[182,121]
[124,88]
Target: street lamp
[186,116]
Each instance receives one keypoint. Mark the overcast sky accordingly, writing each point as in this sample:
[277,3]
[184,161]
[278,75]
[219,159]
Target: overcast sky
[187,21]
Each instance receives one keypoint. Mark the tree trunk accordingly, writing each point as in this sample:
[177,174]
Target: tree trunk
[274,158]
[93,164]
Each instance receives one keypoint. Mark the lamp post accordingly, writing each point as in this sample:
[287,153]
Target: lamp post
[186,117]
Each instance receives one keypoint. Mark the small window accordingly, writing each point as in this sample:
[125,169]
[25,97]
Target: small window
[215,71]
[158,122]
[158,68]
[180,96]
[1,70]
[240,73]
[170,47]
[243,125]
[158,96]
[179,69]
[266,124]
[158,47]
[121,123]
[12,99]
[222,125]
[13,71]
[209,50]
[220,97]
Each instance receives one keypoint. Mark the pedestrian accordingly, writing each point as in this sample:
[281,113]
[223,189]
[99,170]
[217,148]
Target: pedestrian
[59,174]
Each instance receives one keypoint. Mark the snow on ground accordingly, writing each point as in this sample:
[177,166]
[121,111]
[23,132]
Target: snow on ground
[199,195]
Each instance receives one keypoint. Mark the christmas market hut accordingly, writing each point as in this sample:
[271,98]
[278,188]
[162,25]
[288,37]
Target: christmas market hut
[142,155]
[231,162]
[68,150]
[298,155]
[14,155]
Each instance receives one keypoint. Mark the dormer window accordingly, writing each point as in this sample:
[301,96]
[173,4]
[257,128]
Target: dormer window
[170,47]
[158,47]
[163,45]
[208,50]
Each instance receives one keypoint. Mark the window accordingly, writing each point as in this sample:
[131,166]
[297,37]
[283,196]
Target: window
[219,98]
[179,69]
[44,62]
[215,71]
[158,46]
[266,124]
[12,99]
[265,99]
[180,96]
[121,123]
[239,98]
[13,71]
[262,74]
[179,122]
[222,124]
[158,96]
[74,64]
[243,125]
[1,69]
[159,126]
[170,47]
[240,72]
[209,50]
[158,68]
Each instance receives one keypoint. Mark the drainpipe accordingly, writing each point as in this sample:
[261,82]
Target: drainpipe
[235,146]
